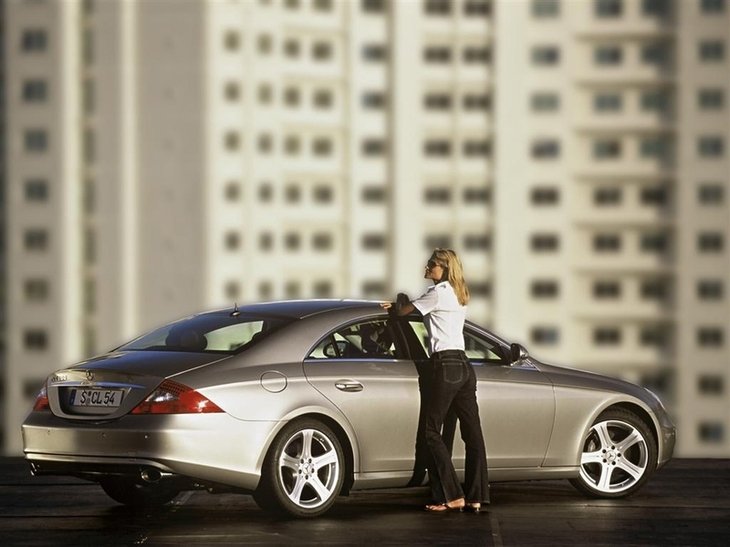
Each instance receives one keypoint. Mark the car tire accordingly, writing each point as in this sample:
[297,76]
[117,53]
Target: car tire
[618,455]
[128,491]
[303,471]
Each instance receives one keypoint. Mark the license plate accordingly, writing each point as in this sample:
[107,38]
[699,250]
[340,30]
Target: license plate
[99,398]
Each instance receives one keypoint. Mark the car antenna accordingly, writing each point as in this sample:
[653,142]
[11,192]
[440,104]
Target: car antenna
[235,312]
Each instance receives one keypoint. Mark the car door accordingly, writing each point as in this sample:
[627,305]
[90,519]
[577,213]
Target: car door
[516,401]
[362,369]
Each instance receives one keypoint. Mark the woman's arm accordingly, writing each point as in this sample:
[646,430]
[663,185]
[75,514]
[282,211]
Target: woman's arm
[402,305]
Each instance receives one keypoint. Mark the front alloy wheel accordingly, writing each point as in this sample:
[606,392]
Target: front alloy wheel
[304,470]
[618,456]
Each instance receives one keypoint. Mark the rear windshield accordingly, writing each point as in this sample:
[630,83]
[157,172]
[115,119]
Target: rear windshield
[207,333]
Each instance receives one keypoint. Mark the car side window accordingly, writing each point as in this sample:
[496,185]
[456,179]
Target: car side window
[365,340]
[481,349]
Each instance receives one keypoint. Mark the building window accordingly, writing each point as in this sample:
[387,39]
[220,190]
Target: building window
[711,7]
[711,432]
[232,40]
[233,191]
[266,241]
[481,148]
[656,54]
[477,101]
[545,149]
[374,147]
[265,290]
[374,52]
[322,242]
[710,289]
[437,148]
[608,9]
[437,54]
[35,239]
[265,143]
[36,290]
[477,54]
[437,241]
[35,140]
[712,51]
[653,289]
[545,336]
[710,242]
[34,40]
[232,290]
[373,99]
[322,51]
[291,4]
[476,195]
[322,194]
[35,91]
[292,289]
[266,192]
[544,289]
[322,5]
[606,290]
[608,55]
[545,55]
[322,146]
[545,102]
[292,193]
[480,289]
[606,149]
[710,147]
[545,195]
[711,384]
[292,241]
[437,101]
[545,9]
[655,337]
[374,289]
[607,336]
[232,241]
[607,102]
[437,195]
[654,100]
[655,8]
[292,96]
[604,197]
[292,48]
[654,195]
[545,243]
[322,99]
[373,242]
[232,91]
[606,243]
[373,6]
[265,44]
[322,289]
[710,337]
[36,190]
[437,7]
[292,145]
[654,243]
[477,8]
[35,339]
[232,141]
[374,194]
[711,194]
[477,242]
[711,99]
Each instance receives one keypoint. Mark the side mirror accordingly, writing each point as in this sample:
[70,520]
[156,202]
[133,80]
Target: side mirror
[517,353]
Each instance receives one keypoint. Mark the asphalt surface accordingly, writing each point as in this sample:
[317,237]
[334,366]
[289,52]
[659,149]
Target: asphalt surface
[686,503]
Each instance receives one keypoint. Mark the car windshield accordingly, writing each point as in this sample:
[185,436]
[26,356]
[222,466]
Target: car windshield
[207,333]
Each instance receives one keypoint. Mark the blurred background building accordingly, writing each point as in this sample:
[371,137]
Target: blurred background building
[162,157]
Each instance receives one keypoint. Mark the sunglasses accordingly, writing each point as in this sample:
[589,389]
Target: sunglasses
[431,264]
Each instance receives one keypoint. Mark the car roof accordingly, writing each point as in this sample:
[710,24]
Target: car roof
[297,309]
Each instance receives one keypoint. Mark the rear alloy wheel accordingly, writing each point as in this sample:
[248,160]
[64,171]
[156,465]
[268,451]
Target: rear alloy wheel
[618,456]
[303,472]
[128,491]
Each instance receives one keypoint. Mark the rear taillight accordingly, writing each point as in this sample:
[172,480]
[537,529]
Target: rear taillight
[174,398]
[41,401]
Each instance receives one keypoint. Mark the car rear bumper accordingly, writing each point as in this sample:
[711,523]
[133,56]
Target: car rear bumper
[204,447]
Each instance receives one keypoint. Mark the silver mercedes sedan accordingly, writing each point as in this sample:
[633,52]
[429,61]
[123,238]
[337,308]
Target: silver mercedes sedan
[298,402]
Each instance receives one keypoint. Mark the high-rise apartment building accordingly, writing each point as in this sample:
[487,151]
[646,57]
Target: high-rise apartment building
[167,157]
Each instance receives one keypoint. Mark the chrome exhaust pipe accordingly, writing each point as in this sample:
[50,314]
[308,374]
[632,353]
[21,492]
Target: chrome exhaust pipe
[150,475]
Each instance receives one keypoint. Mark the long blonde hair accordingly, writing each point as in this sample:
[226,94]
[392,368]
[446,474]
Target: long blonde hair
[455,273]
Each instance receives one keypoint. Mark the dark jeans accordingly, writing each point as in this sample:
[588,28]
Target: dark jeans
[453,386]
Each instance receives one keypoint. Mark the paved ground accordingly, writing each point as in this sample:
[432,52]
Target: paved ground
[686,503]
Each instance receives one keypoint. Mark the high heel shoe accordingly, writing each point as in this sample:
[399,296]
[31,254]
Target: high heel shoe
[445,507]
[472,507]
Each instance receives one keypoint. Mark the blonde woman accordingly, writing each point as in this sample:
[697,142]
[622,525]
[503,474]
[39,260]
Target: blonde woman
[453,385]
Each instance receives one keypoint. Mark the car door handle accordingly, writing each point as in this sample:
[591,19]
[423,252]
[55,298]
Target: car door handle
[348,385]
